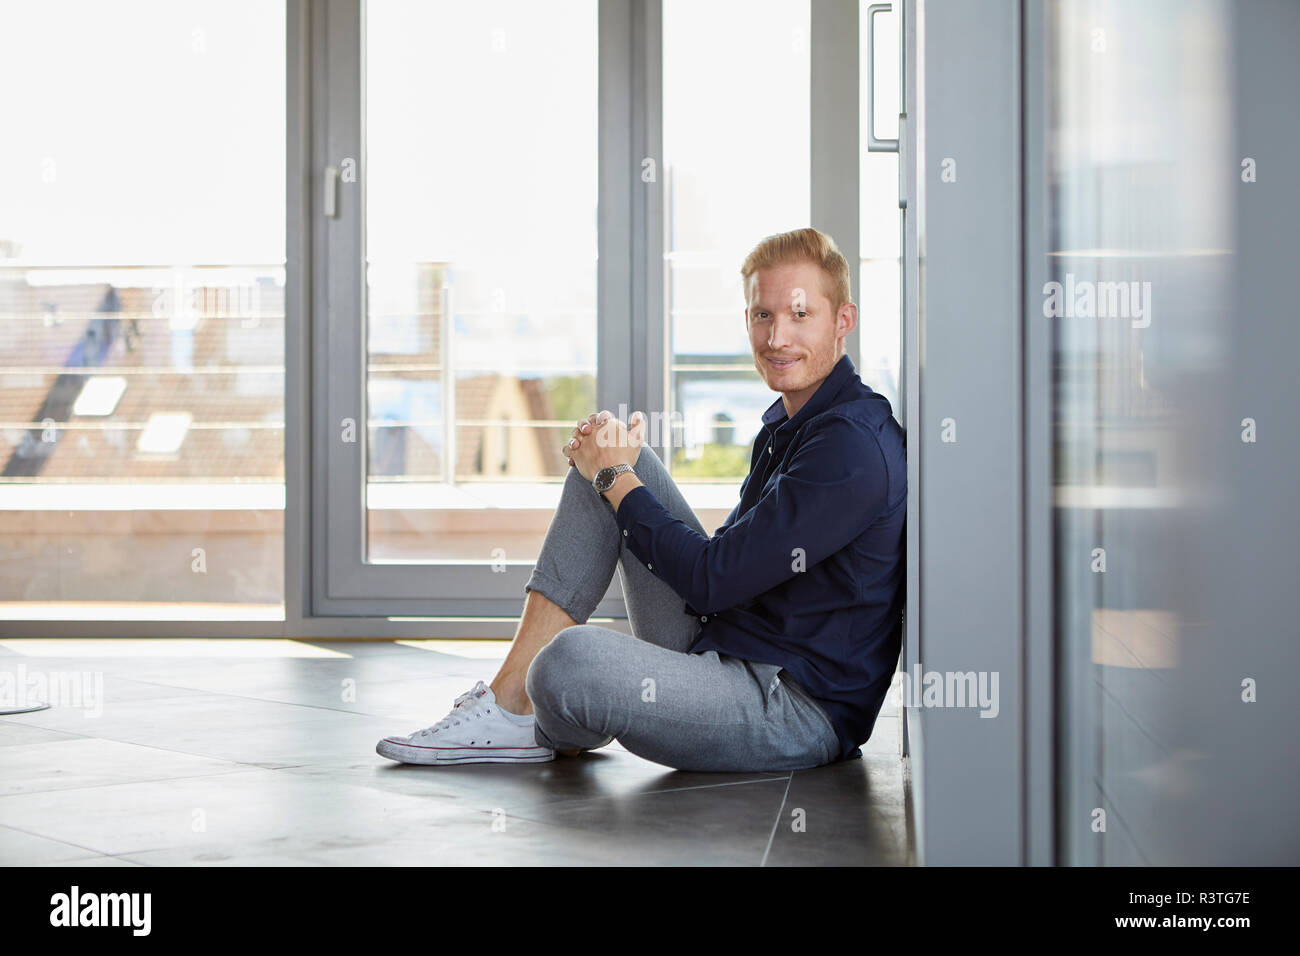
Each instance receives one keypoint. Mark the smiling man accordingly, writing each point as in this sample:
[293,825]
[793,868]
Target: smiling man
[769,645]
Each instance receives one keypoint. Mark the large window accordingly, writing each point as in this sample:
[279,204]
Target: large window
[141,309]
[481,270]
[478,251]
[736,169]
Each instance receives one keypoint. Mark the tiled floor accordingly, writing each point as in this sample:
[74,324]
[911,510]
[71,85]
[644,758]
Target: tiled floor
[262,753]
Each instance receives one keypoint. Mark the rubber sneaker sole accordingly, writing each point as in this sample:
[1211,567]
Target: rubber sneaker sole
[431,756]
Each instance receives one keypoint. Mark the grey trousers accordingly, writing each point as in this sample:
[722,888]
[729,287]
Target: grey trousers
[591,685]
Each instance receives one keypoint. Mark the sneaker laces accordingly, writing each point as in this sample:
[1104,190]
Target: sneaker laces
[461,708]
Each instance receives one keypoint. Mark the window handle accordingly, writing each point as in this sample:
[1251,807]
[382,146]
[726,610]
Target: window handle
[875,145]
[331,192]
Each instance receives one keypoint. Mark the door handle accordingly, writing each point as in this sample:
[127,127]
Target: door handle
[875,145]
[331,192]
[904,172]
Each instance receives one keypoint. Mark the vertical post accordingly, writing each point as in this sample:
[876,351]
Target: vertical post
[446,328]
[1039,662]
[970,435]
[835,203]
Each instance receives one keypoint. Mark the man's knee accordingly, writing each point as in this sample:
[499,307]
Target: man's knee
[562,666]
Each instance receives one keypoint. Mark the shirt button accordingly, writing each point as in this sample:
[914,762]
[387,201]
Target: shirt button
[769,449]
[625,532]
[650,567]
[703,618]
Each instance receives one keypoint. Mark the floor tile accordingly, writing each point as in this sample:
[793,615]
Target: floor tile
[92,762]
[13,733]
[19,848]
[257,758]
[279,813]
[604,773]
[847,814]
[708,825]
[95,861]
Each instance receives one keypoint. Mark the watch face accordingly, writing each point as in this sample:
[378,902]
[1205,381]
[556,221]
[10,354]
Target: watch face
[604,478]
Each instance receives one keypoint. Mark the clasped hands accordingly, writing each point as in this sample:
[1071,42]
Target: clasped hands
[601,441]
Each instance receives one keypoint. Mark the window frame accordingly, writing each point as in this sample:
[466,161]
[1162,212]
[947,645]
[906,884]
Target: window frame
[633,352]
[323,83]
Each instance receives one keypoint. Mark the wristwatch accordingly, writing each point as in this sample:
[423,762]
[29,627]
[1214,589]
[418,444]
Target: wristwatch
[604,479]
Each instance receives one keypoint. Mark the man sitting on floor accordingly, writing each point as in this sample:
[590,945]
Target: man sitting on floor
[770,645]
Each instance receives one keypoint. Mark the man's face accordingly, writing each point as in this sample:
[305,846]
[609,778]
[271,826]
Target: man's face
[793,330]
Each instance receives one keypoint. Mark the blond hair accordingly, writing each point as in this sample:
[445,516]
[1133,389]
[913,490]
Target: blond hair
[803,245]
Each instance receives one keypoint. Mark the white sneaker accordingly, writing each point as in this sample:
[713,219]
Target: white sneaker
[476,731]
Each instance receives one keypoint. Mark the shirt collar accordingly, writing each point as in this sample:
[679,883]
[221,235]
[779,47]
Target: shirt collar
[841,372]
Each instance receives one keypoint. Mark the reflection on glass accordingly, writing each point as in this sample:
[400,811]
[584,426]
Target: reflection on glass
[481,126]
[1138,276]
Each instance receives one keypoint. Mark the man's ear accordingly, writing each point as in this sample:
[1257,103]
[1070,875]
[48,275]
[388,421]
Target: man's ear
[847,319]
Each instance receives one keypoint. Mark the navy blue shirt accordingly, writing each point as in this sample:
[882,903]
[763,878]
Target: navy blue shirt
[809,569]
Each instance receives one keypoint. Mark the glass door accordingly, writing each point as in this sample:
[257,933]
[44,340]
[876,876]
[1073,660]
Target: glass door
[737,168]
[480,306]
[142,322]
[460,167]
[523,214]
